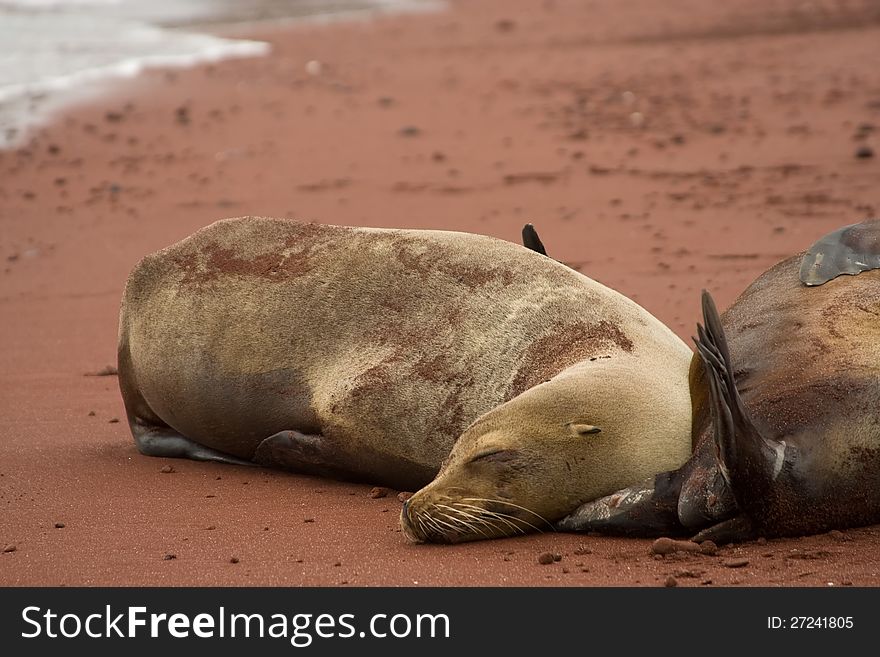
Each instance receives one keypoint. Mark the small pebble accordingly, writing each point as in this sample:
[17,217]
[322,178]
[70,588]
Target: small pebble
[404,496]
[665,545]
[166,469]
[59,525]
[864,152]
[10,548]
[670,582]
[409,131]
[378,492]
[837,535]
[735,563]
[113,420]
[233,560]
[546,558]
[709,548]
[169,557]
[761,540]
[92,413]
[583,549]
[308,520]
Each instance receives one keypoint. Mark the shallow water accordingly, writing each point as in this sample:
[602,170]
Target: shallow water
[52,50]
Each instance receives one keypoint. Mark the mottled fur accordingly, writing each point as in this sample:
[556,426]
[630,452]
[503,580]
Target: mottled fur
[387,345]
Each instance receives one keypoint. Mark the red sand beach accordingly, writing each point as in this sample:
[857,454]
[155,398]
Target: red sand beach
[660,148]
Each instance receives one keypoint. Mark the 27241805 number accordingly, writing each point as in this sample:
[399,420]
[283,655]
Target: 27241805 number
[810,622]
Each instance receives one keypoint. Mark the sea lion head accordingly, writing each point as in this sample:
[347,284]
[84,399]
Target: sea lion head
[530,461]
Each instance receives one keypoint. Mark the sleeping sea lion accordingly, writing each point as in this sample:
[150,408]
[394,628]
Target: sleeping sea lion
[388,356]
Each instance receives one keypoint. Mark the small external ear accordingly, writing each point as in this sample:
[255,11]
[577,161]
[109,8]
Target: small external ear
[582,429]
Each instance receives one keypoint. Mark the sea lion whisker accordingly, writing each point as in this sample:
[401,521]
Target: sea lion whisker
[502,517]
[466,516]
[469,526]
[537,515]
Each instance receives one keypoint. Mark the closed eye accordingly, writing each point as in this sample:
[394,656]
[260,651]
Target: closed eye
[496,456]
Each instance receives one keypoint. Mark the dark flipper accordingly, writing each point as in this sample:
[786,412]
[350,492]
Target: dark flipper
[154,440]
[646,509]
[733,530]
[300,452]
[531,240]
[749,462]
[849,250]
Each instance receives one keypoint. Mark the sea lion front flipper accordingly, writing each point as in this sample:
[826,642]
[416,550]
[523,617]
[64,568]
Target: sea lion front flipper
[733,530]
[849,250]
[646,509]
[300,452]
[531,240]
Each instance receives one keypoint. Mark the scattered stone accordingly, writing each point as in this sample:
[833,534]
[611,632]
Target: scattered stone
[54,149]
[664,545]
[670,582]
[181,115]
[113,420]
[314,67]
[210,528]
[546,558]
[386,101]
[735,563]
[838,535]
[565,571]
[233,560]
[308,520]
[92,414]
[505,25]
[583,549]
[864,152]
[169,557]
[59,525]
[438,156]
[166,469]
[337,564]
[113,117]
[761,540]
[557,557]
[709,548]
[9,548]
[378,492]
[409,131]
[404,496]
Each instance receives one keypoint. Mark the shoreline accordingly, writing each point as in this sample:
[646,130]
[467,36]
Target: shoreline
[27,106]
[655,164]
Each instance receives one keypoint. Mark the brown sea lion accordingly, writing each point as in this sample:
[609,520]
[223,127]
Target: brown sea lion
[786,390]
[366,353]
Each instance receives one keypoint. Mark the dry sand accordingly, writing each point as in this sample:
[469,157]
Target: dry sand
[659,147]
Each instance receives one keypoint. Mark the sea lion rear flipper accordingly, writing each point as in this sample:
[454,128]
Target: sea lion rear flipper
[849,250]
[748,461]
[531,240]
[166,442]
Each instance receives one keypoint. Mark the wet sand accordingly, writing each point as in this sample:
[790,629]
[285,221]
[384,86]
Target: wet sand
[660,148]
